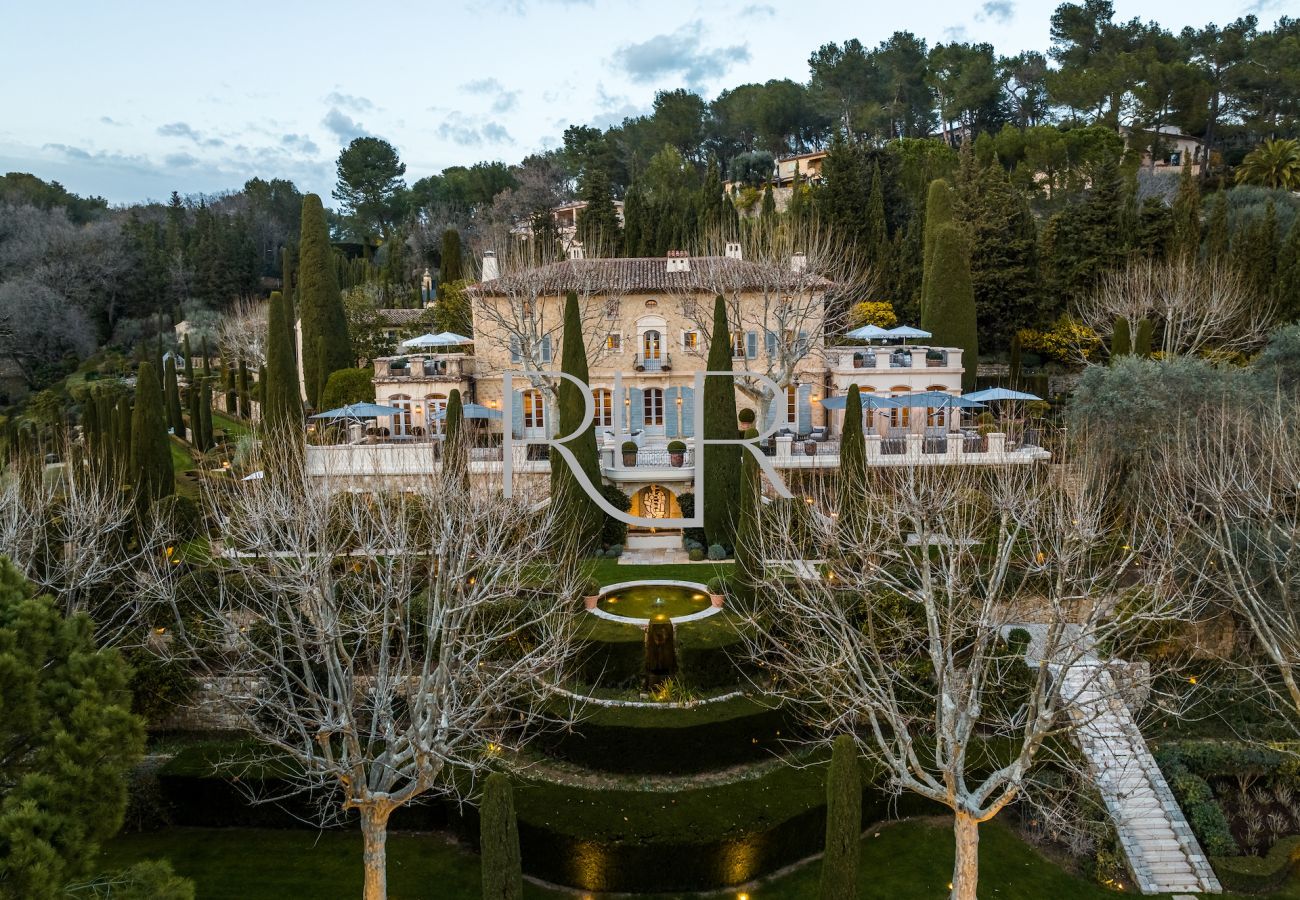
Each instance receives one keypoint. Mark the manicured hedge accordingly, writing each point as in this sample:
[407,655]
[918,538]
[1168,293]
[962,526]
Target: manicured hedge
[664,741]
[1259,874]
[709,654]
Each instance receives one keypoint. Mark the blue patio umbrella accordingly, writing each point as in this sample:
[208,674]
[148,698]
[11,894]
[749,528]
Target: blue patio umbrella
[869,401]
[869,333]
[907,331]
[938,399]
[359,411]
[1000,393]
[471,411]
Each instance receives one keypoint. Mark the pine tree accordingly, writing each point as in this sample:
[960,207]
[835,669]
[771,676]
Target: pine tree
[325,342]
[1187,217]
[70,742]
[851,484]
[839,878]
[749,550]
[173,392]
[499,841]
[948,307]
[151,455]
[939,202]
[1216,231]
[574,505]
[598,227]
[1120,343]
[281,406]
[721,463]
[1288,276]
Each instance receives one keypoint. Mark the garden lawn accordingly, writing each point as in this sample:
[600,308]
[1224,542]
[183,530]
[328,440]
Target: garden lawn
[608,571]
[234,428]
[902,861]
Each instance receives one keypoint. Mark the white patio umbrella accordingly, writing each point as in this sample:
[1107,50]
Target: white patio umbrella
[868,333]
[907,331]
[441,339]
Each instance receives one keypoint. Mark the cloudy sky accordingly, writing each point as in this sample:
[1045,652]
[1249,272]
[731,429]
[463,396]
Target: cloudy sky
[199,97]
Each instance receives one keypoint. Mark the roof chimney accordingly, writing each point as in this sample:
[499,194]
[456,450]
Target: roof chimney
[679,261]
[490,270]
[733,251]
[798,262]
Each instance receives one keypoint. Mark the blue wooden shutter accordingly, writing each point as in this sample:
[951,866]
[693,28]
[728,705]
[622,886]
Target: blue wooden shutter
[688,412]
[636,417]
[803,408]
[517,414]
[670,411]
[546,348]
[803,344]
[776,411]
[751,344]
[515,355]
[770,337]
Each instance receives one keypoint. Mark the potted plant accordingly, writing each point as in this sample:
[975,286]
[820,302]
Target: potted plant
[934,358]
[398,364]
[747,418]
[717,591]
[629,453]
[809,447]
[676,453]
[590,593]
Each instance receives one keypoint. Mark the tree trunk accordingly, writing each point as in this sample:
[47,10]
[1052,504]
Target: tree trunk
[374,833]
[966,868]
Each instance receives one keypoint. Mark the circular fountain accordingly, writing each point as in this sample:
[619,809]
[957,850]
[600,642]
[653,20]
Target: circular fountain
[643,602]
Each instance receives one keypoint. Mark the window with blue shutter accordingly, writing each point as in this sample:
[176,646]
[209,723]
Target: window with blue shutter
[804,406]
[546,348]
[751,344]
[670,411]
[688,412]
[770,337]
[517,414]
[636,415]
[515,354]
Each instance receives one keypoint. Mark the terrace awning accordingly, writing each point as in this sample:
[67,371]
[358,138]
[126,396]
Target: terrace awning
[471,411]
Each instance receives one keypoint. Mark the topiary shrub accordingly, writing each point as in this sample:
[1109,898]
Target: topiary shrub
[348,386]
[746,417]
[686,502]
[614,551]
[717,585]
[717,552]
[630,447]
[614,531]
[696,554]
[676,447]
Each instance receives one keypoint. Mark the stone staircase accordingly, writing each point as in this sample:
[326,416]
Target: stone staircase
[1162,851]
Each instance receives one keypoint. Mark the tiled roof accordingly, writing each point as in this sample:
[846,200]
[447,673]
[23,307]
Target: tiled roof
[401,316]
[643,275]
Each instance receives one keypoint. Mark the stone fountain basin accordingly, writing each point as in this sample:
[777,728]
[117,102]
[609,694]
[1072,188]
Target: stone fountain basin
[642,602]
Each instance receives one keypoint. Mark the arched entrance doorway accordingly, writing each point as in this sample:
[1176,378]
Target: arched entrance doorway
[654,501]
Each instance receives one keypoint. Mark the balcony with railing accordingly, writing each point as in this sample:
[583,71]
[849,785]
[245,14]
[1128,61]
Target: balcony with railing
[853,359]
[911,448]
[442,366]
[650,365]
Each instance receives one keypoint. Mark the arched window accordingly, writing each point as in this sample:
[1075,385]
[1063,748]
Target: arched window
[534,410]
[434,404]
[651,345]
[654,407]
[401,423]
[900,417]
[604,399]
[936,416]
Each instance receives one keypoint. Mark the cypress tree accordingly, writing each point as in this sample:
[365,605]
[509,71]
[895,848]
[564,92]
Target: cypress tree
[948,305]
[877,231]
[124,417]
[449,266]
[196,417]
[938,213]
[261,388]
[1015,359]
[721,463]
[245,398]
[1004,256]
[326,347]
[108,437]
[575,508]
[205,416]
[749,550]
[173,392]
[288,287]
[1288,276]
[281,406]
[1142,338]
[633,223]
[499,841]
[851,483]
[1216,231]
[189,362]
[1121,344]
[151,456]
[207,358]
[839,879]
[1187,216]
[1254,251]
[768,210]
[455,453]
[232,393]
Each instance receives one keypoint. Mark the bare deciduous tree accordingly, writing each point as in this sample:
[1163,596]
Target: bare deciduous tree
[399,641]
[38,327]
[781,289]
[241,333]
[1193,306]
[1232,482]
[906,643]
